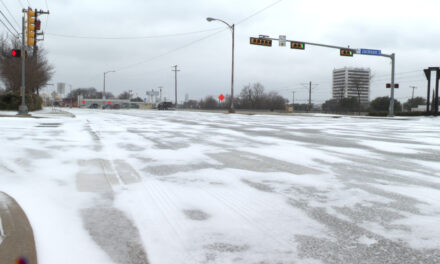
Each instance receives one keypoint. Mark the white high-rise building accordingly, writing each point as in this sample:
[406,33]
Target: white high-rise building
[351,82]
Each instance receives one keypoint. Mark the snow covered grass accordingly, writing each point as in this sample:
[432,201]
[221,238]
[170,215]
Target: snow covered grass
[221,188]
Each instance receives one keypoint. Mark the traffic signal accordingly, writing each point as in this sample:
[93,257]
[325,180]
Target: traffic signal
[347,52]
[16,53]
[261,41]
[388,85]
[30,41]
[297,45]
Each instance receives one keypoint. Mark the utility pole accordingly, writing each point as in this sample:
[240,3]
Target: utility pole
[160,94]
[23,109]
[413,87]
[103,94]
[293,98]
[310,96]
[393,66]
[175,70]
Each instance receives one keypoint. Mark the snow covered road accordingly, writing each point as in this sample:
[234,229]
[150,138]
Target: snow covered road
[124,186]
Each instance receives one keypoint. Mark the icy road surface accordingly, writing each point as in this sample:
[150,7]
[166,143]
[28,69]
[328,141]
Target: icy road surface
[186,187]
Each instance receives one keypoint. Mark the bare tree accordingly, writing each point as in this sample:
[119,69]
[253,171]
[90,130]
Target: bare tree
[38,71]
[358,81]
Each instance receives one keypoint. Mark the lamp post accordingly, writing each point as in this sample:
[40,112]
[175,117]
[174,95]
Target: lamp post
[232,28]
[103,95]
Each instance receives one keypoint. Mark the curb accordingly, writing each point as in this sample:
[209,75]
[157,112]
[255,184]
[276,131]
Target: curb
[17,243]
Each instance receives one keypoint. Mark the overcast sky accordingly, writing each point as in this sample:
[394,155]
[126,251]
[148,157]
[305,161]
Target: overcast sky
[410,29]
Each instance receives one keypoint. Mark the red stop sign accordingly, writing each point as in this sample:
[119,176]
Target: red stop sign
[83,102]
[221,97]
[109,102]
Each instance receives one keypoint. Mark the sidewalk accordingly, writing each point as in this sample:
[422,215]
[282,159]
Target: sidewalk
[16,235]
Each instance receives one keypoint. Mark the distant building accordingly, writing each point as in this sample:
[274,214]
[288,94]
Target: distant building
[347,82]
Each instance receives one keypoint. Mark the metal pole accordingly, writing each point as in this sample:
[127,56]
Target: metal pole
[103,95]
[310,95]
[436,92]
[293,98]
[391,109]
[428,76]
[23,109]
[175,84]
[412,87]
[231,108]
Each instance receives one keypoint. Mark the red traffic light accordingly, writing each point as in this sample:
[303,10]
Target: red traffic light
[16,53]
[396,85]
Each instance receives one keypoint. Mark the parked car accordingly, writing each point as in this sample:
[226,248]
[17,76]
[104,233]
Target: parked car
[125,105]
[94,106]
[107,106]
[164,105]
[133,105]
[116,106]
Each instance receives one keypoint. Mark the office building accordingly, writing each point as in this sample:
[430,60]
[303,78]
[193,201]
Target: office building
[352,82]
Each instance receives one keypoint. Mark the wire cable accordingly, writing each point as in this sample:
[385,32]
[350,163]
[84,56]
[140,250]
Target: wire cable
[258,12]
[21,3]
[133,37]
[170,51]
[198,40]
[9,12]
[8,28]
[47,18]
[9,22]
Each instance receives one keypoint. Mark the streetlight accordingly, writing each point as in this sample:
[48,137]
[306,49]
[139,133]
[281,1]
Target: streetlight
[103,95]
[232,28]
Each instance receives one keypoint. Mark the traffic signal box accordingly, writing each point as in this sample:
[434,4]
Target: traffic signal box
[30,27]
[346,52]
[297,45]
[388,85]
[261,42]
[16,53]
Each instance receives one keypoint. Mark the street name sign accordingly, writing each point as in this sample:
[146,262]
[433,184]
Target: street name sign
[371,52]
[282,40]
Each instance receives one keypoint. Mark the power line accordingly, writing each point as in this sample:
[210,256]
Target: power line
[7,27]
[197,40]
[47,18]
[397,73]
[169,52]
[258,12]
[9,12]
[132,37]
[21,4]
[9,22]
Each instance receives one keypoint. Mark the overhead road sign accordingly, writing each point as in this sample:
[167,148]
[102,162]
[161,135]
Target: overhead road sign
[261,41]
[371,52]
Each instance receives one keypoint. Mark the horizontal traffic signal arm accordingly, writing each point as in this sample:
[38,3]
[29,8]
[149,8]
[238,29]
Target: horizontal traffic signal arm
[261,42]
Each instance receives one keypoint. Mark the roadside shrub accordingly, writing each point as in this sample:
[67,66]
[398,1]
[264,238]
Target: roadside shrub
[11,102]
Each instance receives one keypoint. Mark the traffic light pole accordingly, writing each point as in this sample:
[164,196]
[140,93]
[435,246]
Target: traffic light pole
[355,51]
[23,109]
